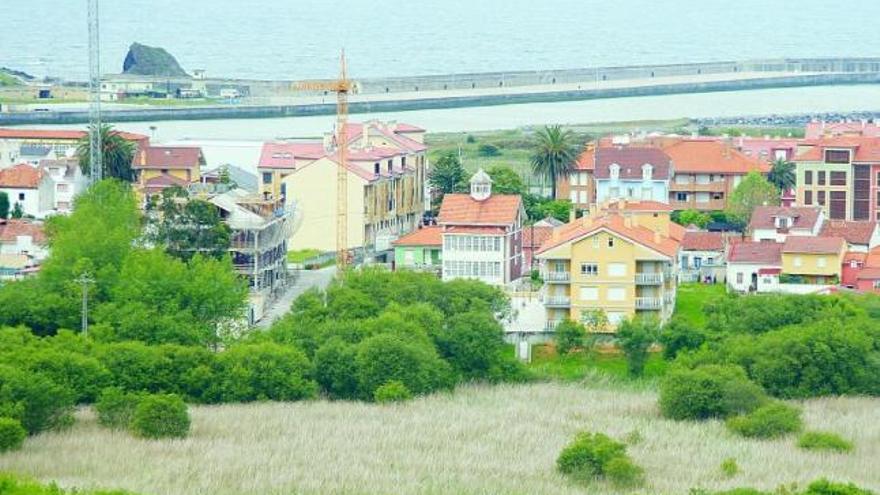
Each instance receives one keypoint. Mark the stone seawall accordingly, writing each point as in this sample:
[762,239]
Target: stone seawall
[459,100]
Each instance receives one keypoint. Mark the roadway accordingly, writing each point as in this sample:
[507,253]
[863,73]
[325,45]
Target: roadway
[306,280]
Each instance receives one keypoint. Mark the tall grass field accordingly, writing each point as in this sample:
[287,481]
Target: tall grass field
[477,440]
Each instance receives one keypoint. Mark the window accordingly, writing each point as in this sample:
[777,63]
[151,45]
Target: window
[739,278]
[610,241]
[630,192]
[808,198]
[838,178]
[390,164]
[798,261]
[574,196]
[682,196]
[589,269]
[821,262]
[710,261]
[647,171]
[821,178]
[409,257]
[836,156]
[21,196]
[682,179]
[376,168]
[583,180]
[63,188]
[684,261]
[614,171]
[616,294]
[589,293]
[702,197]
[698,262]
[647,193]
[596,241]
[614,192]
[877,284]
[615,317]
[702,179]
[267,177]
[820,198]
[573,179]
[808,177]
[582,199]
[837,207]
[616,269]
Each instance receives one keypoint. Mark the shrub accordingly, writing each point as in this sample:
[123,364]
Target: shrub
[248,372]
[471,342]
[623,472]
[708,391]
[383,358]
[678,335]
[335,369]
[12,434]
[161,416]
[35,400]
[825,487]
[569,335]
[729,467]
[393,391]
[84,375]
[470,139]
[11,484]
[595,455]
[769,421]
[820,440]
[635,338]
[115,407]
[488,150]
[135,366]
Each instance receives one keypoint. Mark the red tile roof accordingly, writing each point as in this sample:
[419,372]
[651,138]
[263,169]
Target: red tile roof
[701,156]
[769,271]
[12,228]
[286,155]
[765,149]
[535,237]
[702,241]
[805,217]
[498,209]
[637,205]
[630,160]
[22,176]
[867,149]
[162,181]
[755,252]
[813,245]
[676,231]
[614,223]
[478,230]
[425,236]
[853,232]
[586,160]
[169,157]
[58,134]
[821,128]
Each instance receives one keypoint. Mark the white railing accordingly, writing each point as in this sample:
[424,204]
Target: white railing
[649,303]
[557,276]
[649,278]
[551,325]
[557,301]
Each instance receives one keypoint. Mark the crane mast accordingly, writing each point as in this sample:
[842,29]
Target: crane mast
[95,157]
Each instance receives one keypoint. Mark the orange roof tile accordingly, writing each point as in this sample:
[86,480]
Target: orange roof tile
[59,134]
[666,246]
[702,241]
[702,156]
[853,232]
[813,245]
[755,252]
[12,228]
[535,237]
[586,160]
[867,149]
[20,176]
[425,236]
[498,209]
[637,205]
[676,231]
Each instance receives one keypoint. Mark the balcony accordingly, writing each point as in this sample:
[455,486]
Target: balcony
[557,301]
[557,277]
[551,325]
[649,279]
[649,303]
[669,298]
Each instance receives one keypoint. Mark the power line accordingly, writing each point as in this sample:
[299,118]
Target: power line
[95,155]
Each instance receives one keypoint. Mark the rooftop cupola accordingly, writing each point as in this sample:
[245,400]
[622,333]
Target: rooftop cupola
[481,186]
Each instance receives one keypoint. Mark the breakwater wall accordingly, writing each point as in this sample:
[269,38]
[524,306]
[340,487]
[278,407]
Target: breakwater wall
[837,72]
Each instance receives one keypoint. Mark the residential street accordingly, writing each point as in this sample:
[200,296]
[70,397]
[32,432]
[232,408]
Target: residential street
[306,280]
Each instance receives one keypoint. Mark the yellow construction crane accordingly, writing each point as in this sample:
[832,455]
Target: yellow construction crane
[342,87]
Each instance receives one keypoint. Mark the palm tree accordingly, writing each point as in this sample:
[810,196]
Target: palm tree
[554,155]
[117,153]
[782,174]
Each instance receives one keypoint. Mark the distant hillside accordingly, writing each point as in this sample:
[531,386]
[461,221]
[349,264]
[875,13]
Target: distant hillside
[151,61]
[10,77]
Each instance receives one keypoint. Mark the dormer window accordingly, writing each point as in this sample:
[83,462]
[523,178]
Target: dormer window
[647,171]
[614,170]
[481,186]
[837,156]
[783,222]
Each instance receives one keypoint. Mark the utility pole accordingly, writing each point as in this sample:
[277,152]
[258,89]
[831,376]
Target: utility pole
[84,280]
[95,156]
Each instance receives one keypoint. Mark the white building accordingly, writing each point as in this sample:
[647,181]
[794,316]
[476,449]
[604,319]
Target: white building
[482,234]
[775,223]
[701,256]
[23,238]
[754,266]
[68,181]
[28,187]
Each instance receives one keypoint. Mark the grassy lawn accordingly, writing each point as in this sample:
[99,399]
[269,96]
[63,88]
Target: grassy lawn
[692,297]
[300,256]
[580,365]
[476,440]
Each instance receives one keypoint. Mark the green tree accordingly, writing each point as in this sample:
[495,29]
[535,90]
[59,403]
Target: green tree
[569,335]
[4,205]
[188,227]
[17,212]
[538,208]
[117,154]
[161,416]
[554,154]
[753,191]
[782,174]
[447,175]
[694,217]
[488,150]
[635,338]
[506,181]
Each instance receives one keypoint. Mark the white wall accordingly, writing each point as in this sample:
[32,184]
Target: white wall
[747,269]
[31,203]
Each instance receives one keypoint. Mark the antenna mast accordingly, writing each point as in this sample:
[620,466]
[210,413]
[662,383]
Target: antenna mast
[95,156]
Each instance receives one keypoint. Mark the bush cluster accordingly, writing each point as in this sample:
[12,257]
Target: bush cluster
[12,434]
[393,391]
[709,391]
[11,484]
[768,421]
[161,416]
[596,456]
[827,441]
[115,407]
[818,487]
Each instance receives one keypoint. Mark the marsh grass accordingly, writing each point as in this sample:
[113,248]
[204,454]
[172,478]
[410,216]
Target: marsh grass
[478,440]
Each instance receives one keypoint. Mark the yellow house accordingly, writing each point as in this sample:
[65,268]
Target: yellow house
[620,260]
[387,171]
[818,260]
[160,167]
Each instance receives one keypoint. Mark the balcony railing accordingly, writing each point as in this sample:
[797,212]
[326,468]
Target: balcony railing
[557,276]
[649,279]
[669,298]
[551,325]
[649,303]
[557,301]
